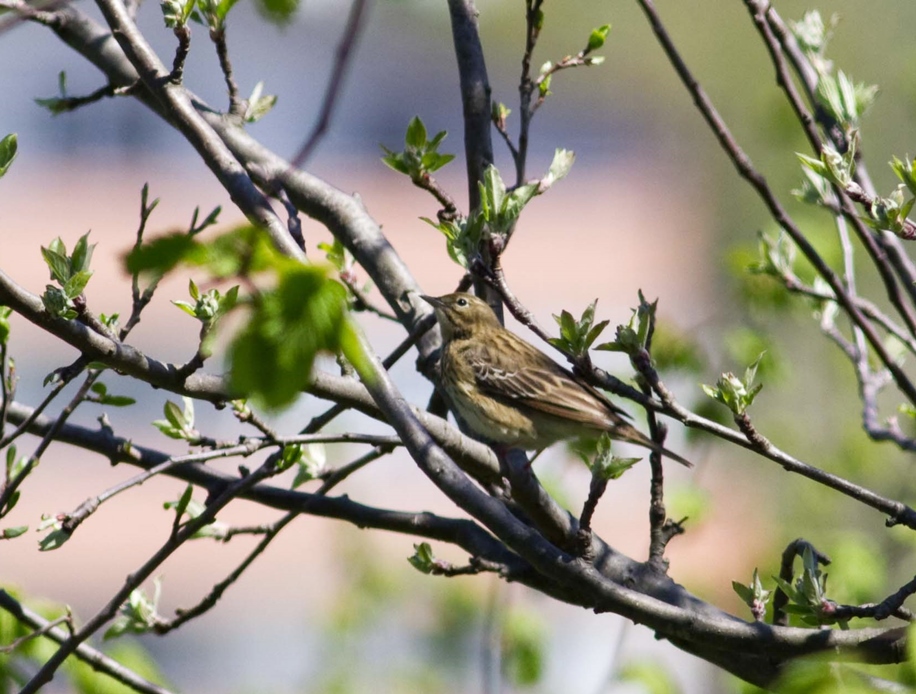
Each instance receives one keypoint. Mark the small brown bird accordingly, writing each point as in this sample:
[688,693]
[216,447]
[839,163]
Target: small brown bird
[512,394]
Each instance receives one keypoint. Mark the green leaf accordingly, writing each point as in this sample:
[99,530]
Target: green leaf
[9,148]
[82,254]
[186,307]
[311,463]
[597,38]
[258,105]
[416,134]
[5,312]
[423,559]
[58,263]
[53,540]
[560,166]
[74,286]
[174,415]
[15,531]
[161,254]
[396,161]
[271,358]
[117,400]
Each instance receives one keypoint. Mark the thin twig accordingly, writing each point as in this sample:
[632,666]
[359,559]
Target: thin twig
[345,50]
[175,540]
[218,36]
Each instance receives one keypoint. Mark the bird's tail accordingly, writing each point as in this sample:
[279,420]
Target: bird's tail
[625,432]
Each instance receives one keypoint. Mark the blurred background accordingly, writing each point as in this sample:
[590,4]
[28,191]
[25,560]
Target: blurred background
[652,204]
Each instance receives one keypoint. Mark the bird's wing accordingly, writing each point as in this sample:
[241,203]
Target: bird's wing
[513,371]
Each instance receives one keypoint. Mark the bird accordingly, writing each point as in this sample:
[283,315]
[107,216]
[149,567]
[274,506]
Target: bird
[512,395]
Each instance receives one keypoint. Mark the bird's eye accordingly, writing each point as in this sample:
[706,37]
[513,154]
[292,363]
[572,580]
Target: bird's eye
[462,302]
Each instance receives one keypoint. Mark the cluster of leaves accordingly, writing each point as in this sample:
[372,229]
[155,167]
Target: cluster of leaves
[754,595]
[845,101]
[737,394]
[208,308]
[808,594]
[309,461]
[288,324]
[420,156]
[187,509]
[633,337]
[212,13]
[604,464]
[577,336]
[500,206]
[178,422]
[71,272]
[139,614]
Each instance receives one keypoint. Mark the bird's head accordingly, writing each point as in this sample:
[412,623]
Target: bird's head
[461,315]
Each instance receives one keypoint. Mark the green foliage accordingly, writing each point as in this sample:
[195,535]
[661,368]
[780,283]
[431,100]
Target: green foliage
[735,393]
[813,34]
[906,172]
[524,637]
[835,167]
[176,13]
[178,422]
[423,559]
[60,103]
[845,100]
[209,307]
[273,354]
[604,464]
[633,336]
[597,38]
[139,614]
[54,539]
[577,336]
[420,156]
[309,460]
[13,532]
[499,209]
[278,11]
[16,466]
[186,505]
[71,272]
[5,313]
[890,213]
[9,147]
[808,594]
[103,397]
[753,595]
[288,324]
[259,105]
[214,12]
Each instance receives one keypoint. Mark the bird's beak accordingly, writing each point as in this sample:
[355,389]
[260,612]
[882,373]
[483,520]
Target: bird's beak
[432,301]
